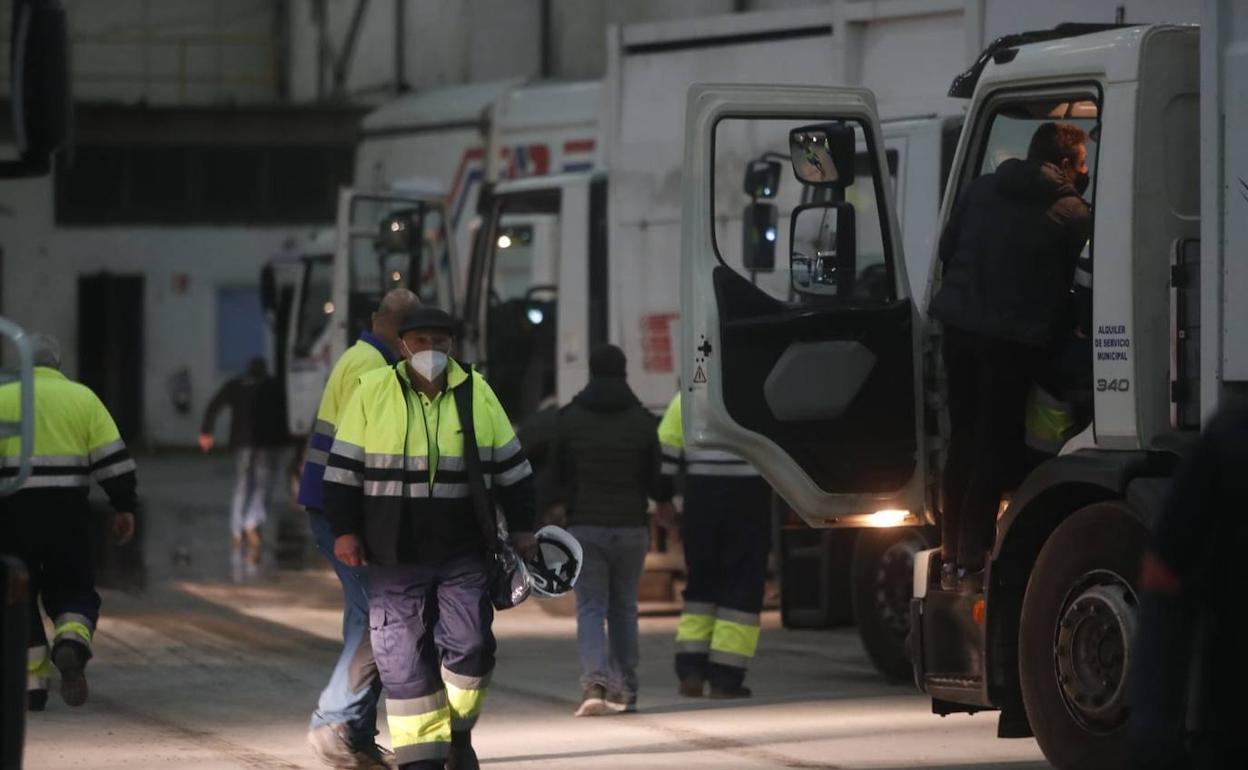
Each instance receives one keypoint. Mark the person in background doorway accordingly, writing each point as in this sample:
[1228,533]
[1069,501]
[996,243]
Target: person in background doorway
[606,465]
[1009,254]
[47,523]
[257,434]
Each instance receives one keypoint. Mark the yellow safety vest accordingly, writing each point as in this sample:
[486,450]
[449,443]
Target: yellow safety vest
[697,462]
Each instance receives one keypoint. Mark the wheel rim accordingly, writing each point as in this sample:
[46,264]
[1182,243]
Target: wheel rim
[894,584]
[1092,650]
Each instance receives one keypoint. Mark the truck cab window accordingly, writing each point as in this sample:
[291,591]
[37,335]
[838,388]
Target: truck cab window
[315,307]
[1012,124]
[779,238]
[520,291]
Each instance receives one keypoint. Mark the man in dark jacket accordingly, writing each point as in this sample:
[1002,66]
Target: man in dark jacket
[607,459]
[257,433]
[1009,254]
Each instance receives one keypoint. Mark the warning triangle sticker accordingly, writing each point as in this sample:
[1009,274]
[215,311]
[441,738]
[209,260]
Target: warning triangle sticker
[699,377]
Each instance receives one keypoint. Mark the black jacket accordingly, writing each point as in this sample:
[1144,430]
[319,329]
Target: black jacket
[1009,254]
[257,411]
[606,456]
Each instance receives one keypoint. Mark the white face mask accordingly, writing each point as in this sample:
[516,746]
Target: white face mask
[429,364]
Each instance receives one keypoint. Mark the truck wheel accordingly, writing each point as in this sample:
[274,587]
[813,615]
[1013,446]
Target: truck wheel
[883,575]
[1079,616]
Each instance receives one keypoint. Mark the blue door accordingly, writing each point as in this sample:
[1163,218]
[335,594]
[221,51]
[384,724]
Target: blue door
[241,331]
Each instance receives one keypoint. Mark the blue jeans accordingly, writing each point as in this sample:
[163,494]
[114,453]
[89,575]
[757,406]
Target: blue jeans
[606,594]
[354,688]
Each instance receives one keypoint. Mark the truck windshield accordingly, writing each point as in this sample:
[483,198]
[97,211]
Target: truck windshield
[315,307]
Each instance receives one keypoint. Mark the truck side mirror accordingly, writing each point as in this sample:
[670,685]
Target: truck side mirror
[823,155]
[42,107]
[758,236]
[762,179]
[823,242]
[395,233]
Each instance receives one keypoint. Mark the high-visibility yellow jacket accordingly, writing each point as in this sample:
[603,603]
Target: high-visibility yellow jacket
[696,462]
[396,474]
[367,354]
[76,440]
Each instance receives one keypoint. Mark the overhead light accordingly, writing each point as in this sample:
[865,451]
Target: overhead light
[329,308]
[887,518]
[504,241]
[770,234]
[396,276]
[536,316]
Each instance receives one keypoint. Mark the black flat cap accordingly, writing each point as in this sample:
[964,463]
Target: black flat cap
[427,318]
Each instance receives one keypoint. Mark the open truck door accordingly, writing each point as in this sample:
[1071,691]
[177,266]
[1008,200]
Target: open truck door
[811,370]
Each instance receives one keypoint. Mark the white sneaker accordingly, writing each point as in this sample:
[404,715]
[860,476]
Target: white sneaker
[594,702]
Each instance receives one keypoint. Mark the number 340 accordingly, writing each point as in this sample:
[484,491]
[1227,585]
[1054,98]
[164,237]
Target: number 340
[1117,386]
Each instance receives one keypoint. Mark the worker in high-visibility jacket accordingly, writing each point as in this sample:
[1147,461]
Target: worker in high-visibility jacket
[726,529]
[343,729]
[47,523]
[397,495]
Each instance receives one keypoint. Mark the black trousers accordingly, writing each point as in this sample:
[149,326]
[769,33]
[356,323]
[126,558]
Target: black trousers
[988,384]
[51,531]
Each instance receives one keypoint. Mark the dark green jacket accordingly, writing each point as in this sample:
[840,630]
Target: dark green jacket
[606,456]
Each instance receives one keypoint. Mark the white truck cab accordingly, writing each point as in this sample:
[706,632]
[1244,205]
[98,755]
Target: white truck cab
[830,381]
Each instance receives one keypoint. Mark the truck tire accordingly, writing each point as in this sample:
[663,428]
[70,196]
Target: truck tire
[1079,615]
[883,584]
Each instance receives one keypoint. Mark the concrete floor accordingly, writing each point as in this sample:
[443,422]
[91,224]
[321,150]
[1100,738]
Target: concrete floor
[217,664]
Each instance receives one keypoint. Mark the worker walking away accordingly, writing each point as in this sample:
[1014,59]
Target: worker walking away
[606,465]
[398,498]
[47,523]
[726,529]
[1008,254]
[257,434]
[344,726]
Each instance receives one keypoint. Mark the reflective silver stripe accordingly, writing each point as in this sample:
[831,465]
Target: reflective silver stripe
[730,659]
[414,707]
[669,469]
[46,482]
[348,450]
[324,427]
[699,608]
[37,654]
[59,461]
[694,646]
[450,491]
[1047,400]
[715,469]
[392,462]
[736,616]
[100,452]
[344,476]
[447,463]
[1046,445]
[73,617]
[417,752]
[507,478]
[115,469]
[465,682]
[317,456]
[671,449]
[1083,278]
[378,488]
[506,451]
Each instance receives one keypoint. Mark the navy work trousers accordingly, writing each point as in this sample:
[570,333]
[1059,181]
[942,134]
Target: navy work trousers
[726,529]
[432,639]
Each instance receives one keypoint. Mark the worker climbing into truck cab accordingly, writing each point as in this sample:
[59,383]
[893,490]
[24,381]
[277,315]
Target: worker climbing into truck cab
[1008,254]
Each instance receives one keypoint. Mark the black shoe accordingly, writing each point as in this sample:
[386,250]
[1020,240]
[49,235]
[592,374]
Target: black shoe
[462,756]
[692,688]
[72,664]
[730,693]
[36,700]
[622,702]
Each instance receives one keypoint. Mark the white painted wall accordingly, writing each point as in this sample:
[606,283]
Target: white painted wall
[168,52]
[40,291]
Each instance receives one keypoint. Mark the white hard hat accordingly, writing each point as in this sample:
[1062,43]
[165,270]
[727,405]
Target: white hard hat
[558,565]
